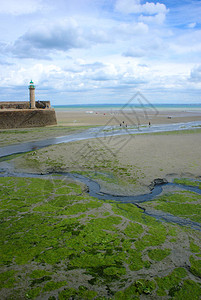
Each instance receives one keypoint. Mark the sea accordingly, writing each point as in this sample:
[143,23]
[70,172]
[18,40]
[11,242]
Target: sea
[114,107]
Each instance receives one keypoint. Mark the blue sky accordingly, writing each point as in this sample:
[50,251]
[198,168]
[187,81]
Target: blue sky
[98,51]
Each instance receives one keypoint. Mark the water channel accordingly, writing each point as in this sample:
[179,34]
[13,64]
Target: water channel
[94,188]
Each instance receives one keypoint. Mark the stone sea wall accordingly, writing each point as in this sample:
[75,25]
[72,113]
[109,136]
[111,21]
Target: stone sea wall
[24,118]
[23,104]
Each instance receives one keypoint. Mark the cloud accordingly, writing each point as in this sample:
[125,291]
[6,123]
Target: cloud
[195,75]
[148,48]
[64,35]
[135,7]
[157,18]
[58,37]
[134,52]
[124,30]
[192,25]
[20,7]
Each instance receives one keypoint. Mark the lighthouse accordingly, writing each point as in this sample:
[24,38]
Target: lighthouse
[32,95]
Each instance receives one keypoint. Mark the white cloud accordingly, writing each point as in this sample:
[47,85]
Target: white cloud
[157,19]
[20,7]
[195,75]
[131,29]
[135,7]
[192,25]
[102,51]
[134,52]
[43,40]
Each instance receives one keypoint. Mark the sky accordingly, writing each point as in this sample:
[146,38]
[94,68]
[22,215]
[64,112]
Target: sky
[101,51]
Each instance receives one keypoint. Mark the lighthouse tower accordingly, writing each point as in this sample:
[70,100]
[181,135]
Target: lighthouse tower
[32,95]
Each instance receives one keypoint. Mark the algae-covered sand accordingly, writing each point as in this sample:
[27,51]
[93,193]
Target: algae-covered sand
[122,164]
[57,242]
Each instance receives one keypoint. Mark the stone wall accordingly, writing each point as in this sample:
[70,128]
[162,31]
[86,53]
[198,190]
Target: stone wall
[23,118]
[14,105]
[23,105]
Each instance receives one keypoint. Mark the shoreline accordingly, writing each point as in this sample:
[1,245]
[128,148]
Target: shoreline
[130,117]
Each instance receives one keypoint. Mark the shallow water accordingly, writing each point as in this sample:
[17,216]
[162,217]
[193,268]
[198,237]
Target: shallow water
[94,190]
[93,186]
[92,133]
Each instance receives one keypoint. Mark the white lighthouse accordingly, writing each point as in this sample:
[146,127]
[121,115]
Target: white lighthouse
[32,95]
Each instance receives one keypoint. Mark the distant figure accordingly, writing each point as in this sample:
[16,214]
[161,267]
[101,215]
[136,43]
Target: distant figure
[123,122]
[126,125]
[149,124]
[120,124]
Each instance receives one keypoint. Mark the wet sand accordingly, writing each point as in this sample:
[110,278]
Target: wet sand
[81,118]
[136,160]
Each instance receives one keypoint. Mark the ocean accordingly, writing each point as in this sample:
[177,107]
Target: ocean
[111,107]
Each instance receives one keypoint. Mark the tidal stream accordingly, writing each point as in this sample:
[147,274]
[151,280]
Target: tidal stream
[94,188]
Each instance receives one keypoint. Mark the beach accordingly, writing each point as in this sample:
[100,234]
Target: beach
[77,244]
[136,160]
[129,116]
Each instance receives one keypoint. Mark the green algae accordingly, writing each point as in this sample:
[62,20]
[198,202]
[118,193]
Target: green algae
[81,293]
[139,287]
[194,247]
[195,266]
[187,290]
[133,230]
[135,260]
[53,285]
[33,293]
[179,204]
[29,134]
[58,240]
[7,279]
[188,182]
[158,254]
[170,282]
[156,236]
[39,273]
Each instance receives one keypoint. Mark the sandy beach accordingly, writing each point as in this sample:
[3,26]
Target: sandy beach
[134,160]
[89,234]
[130,117]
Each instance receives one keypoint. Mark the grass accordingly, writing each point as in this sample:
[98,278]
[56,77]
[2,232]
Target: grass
[56,241]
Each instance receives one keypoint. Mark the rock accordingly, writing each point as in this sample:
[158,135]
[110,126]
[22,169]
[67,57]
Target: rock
[86,189]
[158,181]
